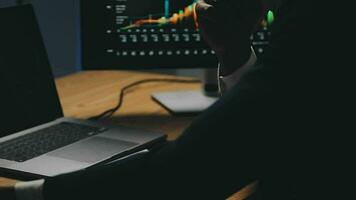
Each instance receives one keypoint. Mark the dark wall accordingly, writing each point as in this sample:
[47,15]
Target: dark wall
[4,3]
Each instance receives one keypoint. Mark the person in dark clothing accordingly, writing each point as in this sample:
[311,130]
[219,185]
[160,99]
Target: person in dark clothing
[270,126]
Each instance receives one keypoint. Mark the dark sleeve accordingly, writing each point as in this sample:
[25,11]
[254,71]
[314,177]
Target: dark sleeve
[222,151]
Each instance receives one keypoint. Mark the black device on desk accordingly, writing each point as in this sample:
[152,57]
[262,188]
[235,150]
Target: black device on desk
[36,140]
[146,34]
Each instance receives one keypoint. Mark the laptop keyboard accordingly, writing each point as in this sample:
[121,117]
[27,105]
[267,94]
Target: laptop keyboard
[45,140]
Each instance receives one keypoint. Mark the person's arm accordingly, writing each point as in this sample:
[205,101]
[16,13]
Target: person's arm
[229,81]
[227,26]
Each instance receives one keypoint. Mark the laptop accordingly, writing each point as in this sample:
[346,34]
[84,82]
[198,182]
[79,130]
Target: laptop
[36,140]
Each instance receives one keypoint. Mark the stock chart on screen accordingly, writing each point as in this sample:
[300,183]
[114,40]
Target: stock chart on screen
[139,34]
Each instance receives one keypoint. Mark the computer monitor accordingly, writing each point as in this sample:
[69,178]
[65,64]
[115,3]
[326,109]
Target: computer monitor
[149,34]
[142,34]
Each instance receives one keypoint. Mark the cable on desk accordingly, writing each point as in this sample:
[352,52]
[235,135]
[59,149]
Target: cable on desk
[123,91]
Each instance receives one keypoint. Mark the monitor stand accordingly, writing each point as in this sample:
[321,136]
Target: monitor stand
[191,102]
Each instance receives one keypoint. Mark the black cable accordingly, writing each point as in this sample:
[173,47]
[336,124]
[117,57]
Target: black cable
[122,93]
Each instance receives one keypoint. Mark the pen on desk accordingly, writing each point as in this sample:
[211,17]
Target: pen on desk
[118,159]
[130,156]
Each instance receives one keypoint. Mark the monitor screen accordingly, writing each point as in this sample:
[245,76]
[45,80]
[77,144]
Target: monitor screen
[141,34]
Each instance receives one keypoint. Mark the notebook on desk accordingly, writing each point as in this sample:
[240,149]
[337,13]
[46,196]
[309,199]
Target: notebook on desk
[35,138]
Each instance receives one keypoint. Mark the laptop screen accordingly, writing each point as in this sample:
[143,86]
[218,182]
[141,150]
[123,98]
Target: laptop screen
[28,93]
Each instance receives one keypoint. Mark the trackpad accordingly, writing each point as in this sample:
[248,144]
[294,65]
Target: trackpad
[93,150]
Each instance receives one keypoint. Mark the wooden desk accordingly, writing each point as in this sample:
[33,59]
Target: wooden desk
[86,94]
[89,93]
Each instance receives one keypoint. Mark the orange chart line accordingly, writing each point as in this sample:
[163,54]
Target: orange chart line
[186,14]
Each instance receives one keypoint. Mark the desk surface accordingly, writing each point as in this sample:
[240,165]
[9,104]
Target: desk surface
[86,94]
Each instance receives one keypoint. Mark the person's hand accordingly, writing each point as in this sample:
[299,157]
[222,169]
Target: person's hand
[7,193]
[227,26]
